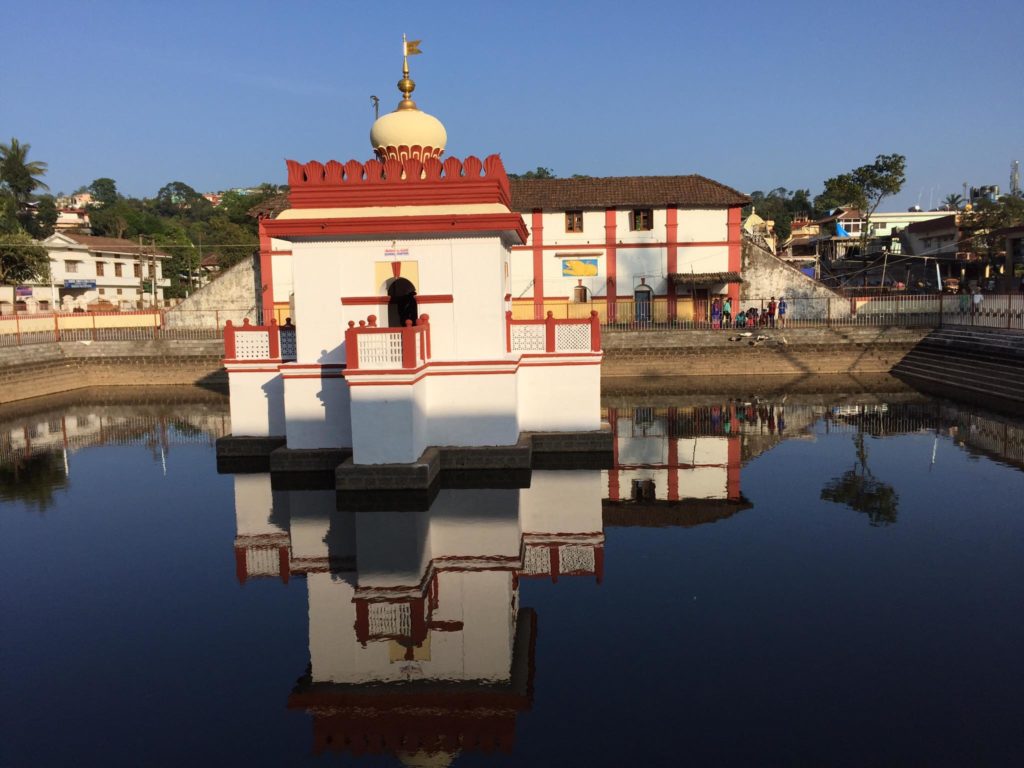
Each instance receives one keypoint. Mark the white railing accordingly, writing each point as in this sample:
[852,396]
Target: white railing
[552,335]
[380,350]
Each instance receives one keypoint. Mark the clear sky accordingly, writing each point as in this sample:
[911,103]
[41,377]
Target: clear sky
[755,95]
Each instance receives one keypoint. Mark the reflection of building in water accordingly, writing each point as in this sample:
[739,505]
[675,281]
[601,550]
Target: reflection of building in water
[417,642]
[36,442]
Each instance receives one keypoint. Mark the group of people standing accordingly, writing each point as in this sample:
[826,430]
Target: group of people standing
[775,312]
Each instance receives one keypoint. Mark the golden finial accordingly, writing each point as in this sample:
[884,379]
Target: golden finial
[406,85]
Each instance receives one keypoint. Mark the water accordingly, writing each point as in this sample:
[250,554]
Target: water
[800,581]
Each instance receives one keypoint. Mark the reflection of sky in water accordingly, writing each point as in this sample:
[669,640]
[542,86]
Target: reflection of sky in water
[792,631]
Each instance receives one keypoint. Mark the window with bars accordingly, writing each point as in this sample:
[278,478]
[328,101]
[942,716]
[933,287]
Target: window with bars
[100,268]
[118,270]
[574,221]
[138,269]
[71,267]
[641,220]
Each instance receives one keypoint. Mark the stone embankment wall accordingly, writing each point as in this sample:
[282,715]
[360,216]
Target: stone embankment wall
[808,351]
[232,296]
[662,357]
[46,369]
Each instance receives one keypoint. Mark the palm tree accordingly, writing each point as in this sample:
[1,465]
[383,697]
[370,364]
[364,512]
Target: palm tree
[860,490]
[953,202]
[19,173]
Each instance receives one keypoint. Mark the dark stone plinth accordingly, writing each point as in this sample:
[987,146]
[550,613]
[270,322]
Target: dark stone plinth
[308,459]
[486,478]
[598,441]
[582,460]
[516,456]
[388,500]
[419,475]
[244,454]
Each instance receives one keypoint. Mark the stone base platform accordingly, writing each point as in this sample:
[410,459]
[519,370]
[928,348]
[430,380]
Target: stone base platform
[414,485]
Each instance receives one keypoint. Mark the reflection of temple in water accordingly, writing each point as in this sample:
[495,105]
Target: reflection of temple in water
[417,642]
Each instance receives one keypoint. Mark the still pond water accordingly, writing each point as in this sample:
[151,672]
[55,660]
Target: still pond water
[796,581]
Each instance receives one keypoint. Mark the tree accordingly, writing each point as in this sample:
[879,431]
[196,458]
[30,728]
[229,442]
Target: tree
[179,199]
[22,259]
[18,174]
[953,202]
[862,491]
[42,223]
[540,172]
[840,192]
[104,191]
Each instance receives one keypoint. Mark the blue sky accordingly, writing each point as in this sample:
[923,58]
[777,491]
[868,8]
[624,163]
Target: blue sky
[755,95]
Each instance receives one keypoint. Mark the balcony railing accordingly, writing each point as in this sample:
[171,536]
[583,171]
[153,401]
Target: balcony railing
[552,335]
[249,342]
[368,347]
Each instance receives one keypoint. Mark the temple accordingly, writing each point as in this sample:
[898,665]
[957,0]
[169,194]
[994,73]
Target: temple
[401,336]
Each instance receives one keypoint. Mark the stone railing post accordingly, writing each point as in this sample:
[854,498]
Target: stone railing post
[409,345]
[595,331]
[229,340]
[549,335]
[352,346]
[275,340]
[508,330]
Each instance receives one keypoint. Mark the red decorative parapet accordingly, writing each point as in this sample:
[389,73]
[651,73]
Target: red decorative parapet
[398,182]
[259,342]
[368,347]
[553,336]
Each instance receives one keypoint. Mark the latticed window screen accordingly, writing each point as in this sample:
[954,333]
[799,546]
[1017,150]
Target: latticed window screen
[287,344]
[262,561]
[528,338]
[252,345]
[537,560]
[576,558]
[390,619]
[380,350]
[572,338]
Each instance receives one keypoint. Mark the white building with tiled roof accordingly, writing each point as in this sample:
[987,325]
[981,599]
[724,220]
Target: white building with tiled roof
[633,248]
[87,270]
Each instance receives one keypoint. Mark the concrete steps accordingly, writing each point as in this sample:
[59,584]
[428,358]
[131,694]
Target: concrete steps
[983,363]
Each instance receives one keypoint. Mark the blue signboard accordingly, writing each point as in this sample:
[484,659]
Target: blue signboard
[79,283]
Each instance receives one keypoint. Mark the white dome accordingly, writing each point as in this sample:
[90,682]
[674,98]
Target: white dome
[408,128]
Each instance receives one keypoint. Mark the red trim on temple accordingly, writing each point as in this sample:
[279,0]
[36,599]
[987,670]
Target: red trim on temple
[735,254]
[373,225]
[428,298]
[266,273]
[672,255]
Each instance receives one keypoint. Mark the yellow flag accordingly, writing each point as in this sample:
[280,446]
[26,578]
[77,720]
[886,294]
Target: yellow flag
[412,47]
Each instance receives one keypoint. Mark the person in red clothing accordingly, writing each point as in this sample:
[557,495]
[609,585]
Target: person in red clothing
[772,306]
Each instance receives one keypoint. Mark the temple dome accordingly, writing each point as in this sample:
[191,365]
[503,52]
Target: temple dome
[408,133]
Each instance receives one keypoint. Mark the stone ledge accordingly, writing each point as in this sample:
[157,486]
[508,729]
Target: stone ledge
[419,475]
[308,459]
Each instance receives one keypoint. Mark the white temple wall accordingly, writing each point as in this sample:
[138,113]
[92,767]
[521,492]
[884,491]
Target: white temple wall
[335,654]
[704,483]
[387,423]
[320,274]
[318,412]
[477,279]
[471,409]
[309,521]
[557,398]
[256,403]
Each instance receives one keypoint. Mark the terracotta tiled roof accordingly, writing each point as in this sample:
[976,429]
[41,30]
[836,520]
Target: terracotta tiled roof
[606,192]
[705,279]
[111,244]
[622,192]
[933,225]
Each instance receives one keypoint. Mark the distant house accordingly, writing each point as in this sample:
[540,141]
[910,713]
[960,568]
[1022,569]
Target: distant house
[87,270]
[72,219]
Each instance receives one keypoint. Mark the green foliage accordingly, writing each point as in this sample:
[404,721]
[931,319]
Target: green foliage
[780,205]
[104,192]
[540,172]
[953,202]
[987,218]
[179,199]
[33,479]
[22,259]
[840,192]
[18,175]
[41,225]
